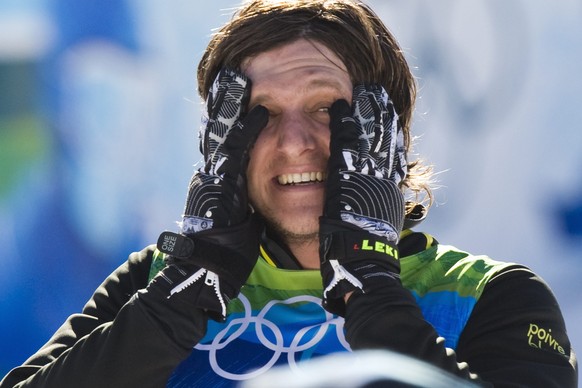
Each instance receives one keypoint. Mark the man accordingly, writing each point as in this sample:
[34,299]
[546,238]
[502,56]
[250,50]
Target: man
[306,143]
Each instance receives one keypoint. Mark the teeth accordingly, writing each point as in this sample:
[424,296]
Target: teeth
[304,177]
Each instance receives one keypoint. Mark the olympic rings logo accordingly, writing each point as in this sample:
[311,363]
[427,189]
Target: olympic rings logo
[277,345]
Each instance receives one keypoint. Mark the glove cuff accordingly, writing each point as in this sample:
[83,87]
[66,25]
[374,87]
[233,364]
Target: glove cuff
[346,243]
[231,252]
[210,267]
[353,260]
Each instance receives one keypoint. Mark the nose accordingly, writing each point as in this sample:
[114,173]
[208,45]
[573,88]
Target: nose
[295,134]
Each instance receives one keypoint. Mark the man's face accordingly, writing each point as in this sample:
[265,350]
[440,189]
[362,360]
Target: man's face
[296,83]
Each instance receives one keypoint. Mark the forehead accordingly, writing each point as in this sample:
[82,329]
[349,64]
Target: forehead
[296,63]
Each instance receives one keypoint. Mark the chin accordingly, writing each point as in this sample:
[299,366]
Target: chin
[298,230]
[301,225]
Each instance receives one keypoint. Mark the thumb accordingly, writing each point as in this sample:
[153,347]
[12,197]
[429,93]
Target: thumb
[243,136]
[343,145]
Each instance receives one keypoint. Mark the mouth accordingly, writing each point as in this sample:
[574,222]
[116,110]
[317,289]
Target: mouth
[301,178]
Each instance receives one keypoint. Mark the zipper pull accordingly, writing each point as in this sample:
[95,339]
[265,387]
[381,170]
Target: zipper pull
[211,278]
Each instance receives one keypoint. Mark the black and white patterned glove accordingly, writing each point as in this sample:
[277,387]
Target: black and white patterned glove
[217,247]
[364,208]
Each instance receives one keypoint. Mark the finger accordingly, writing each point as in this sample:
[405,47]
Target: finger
[229,95]
[227,99]
[382,144]
[400,163]
[389,152]
[343,144]
[234,164]
[368,113]
[389,148]
[242,137]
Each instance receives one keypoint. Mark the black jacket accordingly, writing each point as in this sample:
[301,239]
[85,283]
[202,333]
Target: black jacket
[129,336]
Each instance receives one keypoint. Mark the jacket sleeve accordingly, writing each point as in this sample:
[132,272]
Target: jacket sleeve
[516,335]
[127,335]
[493,349]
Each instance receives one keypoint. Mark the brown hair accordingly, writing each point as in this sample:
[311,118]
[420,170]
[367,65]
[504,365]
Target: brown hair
[348,27]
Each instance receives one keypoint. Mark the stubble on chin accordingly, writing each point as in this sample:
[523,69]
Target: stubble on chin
[293,238]
[303,241]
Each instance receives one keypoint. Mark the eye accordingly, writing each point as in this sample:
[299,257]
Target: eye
[320,113]
[322,106]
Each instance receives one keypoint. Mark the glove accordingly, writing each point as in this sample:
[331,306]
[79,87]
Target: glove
[364,208]
[217,248]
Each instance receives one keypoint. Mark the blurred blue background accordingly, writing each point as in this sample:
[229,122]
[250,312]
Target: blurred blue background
[98,137]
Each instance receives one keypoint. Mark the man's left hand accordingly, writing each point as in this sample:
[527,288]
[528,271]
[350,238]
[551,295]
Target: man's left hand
[364,207]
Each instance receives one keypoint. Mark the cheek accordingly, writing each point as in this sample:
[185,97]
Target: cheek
[326,136]
[323,139]
[252,183]
[257,158]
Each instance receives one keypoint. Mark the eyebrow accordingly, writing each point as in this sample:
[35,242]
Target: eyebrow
[327,83]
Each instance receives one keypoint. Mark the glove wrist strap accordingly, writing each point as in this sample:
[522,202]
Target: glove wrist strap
[230,252]
[346,244]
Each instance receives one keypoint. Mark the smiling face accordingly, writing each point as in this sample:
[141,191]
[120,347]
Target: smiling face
[296,83]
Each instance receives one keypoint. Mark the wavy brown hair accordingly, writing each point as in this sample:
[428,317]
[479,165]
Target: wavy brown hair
[348,27]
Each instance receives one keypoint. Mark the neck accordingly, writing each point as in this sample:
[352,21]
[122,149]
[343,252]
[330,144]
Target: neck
[306,252]
[303,247]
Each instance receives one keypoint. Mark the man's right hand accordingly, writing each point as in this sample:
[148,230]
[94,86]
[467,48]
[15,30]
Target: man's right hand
[217,247]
